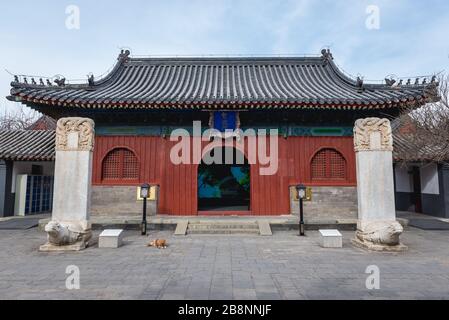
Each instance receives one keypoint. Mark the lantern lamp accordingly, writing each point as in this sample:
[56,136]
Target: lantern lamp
[144,193]
[301,189]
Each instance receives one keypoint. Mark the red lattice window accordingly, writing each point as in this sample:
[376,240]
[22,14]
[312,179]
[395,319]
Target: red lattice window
[120,164]
[328,164]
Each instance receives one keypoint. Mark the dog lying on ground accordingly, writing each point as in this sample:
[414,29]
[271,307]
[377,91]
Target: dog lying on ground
[158,243]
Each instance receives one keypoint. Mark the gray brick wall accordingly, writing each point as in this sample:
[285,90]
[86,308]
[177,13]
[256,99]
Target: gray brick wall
[118,201]
[329,204]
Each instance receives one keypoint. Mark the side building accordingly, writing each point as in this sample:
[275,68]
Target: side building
[26,171]
[421,184]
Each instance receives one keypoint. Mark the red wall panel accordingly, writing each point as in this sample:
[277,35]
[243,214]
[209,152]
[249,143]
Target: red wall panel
[178,183]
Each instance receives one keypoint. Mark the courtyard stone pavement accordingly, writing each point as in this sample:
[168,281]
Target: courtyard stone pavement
[225,267]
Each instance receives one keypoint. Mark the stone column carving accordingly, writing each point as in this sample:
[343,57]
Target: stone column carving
[377,228]
[70,228]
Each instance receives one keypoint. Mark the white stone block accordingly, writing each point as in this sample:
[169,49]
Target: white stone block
[331,239]
[111,238]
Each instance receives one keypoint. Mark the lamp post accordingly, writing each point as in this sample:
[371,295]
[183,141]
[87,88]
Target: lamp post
[301,189]
[144,193]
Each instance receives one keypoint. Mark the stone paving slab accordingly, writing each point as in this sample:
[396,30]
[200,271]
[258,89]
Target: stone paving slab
[239,267]
[19,224]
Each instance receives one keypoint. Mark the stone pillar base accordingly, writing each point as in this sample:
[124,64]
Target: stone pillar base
[378,247]
[66,236]
[379,235]
[48,247]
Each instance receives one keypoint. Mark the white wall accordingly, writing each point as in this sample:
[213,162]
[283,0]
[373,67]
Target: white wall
[404,180]
[24,167]
[429,179]
[2,186]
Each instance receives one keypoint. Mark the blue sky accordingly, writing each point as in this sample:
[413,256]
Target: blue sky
[411,40]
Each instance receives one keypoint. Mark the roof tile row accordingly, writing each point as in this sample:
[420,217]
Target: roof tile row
[225,82]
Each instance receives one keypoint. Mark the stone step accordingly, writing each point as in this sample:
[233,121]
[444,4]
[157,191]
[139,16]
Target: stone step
[224,231]
[222,222]
[211,227]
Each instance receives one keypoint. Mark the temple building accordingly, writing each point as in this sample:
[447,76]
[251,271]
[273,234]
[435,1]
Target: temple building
[140,104]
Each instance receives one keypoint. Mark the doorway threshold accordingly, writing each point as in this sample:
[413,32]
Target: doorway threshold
[224,213]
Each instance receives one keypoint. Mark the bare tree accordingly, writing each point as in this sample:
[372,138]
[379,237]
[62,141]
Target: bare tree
[423,134]
[19,119]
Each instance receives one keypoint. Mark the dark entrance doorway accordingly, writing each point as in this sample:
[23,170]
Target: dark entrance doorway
[224,186]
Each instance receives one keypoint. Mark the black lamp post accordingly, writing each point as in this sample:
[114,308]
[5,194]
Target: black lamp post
[144,193]
[301,189]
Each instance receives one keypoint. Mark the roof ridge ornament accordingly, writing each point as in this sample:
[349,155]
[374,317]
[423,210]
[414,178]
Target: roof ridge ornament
[91,80]
[60,82]
[360,84]
[327,55]
[124,55]
[390,82]
[23,80]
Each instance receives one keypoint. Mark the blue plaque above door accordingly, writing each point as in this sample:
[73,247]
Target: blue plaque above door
[225,120]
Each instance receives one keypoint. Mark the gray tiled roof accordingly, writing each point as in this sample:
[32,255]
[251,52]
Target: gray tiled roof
[406,150]
[238,83]
[43,123]
[27,145]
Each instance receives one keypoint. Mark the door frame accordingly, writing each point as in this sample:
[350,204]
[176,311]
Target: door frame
[206,149]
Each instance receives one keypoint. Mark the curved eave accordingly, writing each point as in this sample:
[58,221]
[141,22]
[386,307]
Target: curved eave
[262,83]
[273,105]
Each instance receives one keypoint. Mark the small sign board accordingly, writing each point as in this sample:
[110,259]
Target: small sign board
[294,194]
[152,196]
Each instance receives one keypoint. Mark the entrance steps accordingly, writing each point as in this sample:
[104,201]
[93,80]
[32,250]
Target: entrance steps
[223,227]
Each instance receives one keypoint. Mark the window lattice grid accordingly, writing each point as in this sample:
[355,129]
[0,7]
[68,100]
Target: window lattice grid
[328,164]
[111,165]
[120,164]
[130,165]
[319,166]
[338,166]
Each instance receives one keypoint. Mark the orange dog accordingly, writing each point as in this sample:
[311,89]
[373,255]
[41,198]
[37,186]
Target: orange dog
[158,243]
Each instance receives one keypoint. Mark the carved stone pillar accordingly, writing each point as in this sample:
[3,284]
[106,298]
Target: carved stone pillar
[377,228]
[70,228]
